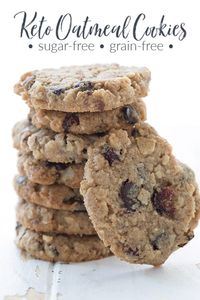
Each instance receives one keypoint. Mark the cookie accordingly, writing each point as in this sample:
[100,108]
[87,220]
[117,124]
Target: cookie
[48,173]
[22,130]
[83,88]
[48,145]
[42,219]
[56,196]
[60,248]
[143,203]
[89,123]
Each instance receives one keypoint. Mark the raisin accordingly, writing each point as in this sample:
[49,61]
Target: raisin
[28,83]
[163,201]
[84,86]
[69,120]
[21,180]
[110,155]
[128,194]
[58,166]
[130,115]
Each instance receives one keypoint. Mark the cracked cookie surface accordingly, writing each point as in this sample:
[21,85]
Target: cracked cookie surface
[63,248]
[143,203]
[83,88]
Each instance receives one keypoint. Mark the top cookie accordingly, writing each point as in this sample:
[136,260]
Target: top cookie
[88,88]
[143,203]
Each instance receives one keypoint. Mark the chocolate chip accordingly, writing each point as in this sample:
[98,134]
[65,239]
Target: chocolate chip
[58,166]
[18,225]
[163,201]
[130,115]
[40,245]
[25,139]
[29,117]
[29,82]
[71,200]
[69,120]
[84,86]
[54,250]
[58,91]
[135,133]
[37,188]
[84,151]
[160,241]
[21,180]
[100,134]
[132,252]
[190,235]
[128,193]
[110,155]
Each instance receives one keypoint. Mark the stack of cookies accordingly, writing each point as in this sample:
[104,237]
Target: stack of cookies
[70,109]
[93,176]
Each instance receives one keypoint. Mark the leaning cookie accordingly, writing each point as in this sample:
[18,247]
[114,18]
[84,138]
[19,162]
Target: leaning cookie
[143,203]
[60,248]
[83,88]
[56,196]
[48,173]
[45,144]
[89,123]
[42,219]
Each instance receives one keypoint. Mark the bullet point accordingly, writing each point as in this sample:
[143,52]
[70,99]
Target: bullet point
[101,46]
[170,46]
[30,46]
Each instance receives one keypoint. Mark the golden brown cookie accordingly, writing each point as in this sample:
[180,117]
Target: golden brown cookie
[63,248]
[83,88]
[57,196]
[45,144]
[48,173]
[89,123]
[143,203]
[42,219]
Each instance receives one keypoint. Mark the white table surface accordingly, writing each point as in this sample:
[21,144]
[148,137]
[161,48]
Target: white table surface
[178,278]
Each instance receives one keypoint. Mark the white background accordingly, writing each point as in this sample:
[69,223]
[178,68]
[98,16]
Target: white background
[173,109]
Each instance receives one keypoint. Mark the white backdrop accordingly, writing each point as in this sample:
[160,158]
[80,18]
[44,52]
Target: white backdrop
[173,103]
